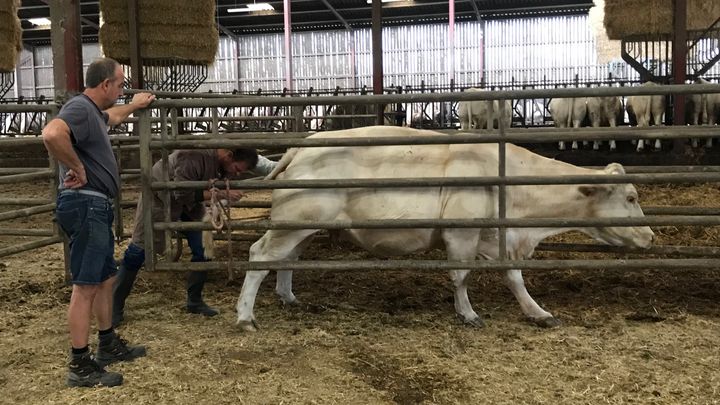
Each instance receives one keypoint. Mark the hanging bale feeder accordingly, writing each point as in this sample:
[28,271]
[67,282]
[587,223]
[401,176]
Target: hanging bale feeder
[607,50]
[10,35]
[181,30]
[633,18]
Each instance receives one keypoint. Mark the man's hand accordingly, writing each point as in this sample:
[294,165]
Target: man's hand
[75,178]
[231,195]
[142,100]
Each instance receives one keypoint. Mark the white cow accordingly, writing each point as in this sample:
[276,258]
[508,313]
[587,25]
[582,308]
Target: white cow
[703,109]
[604,111]
[568,113]
[553,201]
[484,114]
[647,109]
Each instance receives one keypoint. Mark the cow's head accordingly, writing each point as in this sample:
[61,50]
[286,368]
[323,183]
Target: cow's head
[616,200]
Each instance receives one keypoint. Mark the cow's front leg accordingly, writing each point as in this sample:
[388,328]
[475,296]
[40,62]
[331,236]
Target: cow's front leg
[463,308]
[274,245]
[541,317]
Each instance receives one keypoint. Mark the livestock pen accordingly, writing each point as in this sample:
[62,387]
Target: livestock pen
[631,330]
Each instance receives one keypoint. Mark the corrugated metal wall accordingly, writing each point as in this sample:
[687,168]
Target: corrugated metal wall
[526,50]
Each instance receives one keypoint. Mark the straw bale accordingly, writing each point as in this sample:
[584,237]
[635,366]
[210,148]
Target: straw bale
[180,30]
[607,49]
[10,35]
[624,18]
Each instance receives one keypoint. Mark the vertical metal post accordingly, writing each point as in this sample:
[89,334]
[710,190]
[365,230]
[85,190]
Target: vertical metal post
[502,231]
[166,177]
[237,63]
[66,47]
[679,62]
[377,55]
[137,79]
[482,51]
[119,227]
[54,184]
[451,41]
[288,46]
[147,195]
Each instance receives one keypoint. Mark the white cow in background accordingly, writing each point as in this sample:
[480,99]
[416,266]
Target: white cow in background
[484,114]
[417,161]
[568,113]
[647,109]
[604,111]
[703,109]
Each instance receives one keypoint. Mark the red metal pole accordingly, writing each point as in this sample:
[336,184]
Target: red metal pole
[679,63]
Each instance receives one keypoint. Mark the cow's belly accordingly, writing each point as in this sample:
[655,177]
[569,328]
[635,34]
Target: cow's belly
[393,242]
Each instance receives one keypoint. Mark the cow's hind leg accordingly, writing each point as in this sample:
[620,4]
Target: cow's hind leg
[274,245]
[514,281]
[461,246]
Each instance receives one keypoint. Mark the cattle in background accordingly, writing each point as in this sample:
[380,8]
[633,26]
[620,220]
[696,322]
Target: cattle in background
[568,113]
[334,123]
[483,114]
[647,109]
[461,244]
[604,111]
[702,109]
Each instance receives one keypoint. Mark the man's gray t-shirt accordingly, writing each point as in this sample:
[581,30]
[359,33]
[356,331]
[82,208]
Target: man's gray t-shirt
[89,135]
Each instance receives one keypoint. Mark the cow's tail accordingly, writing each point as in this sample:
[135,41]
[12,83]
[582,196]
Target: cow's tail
[282,163]
[571,108]
[648,110]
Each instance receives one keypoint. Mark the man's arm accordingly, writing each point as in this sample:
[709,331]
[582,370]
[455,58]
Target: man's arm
[56,136]
[118,113]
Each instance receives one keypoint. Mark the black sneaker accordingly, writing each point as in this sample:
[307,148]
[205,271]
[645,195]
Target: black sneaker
[86,372]
[118,350]
[201,308]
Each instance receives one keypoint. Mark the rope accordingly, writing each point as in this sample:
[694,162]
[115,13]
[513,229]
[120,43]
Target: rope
[220,218]
[226,210]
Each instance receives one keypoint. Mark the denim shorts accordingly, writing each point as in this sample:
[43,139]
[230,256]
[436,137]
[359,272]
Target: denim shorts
[87,222]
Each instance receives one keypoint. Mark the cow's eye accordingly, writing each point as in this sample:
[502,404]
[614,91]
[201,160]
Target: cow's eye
[631,199]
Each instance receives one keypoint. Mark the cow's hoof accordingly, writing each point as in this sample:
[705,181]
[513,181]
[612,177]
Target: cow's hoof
[248,326]
[476,322]
[549,322]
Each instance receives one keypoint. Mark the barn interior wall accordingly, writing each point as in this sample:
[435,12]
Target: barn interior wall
[552,50]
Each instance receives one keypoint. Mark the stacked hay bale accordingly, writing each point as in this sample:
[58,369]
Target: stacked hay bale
[626,18]
[607,50]
[10,35]
[181,30]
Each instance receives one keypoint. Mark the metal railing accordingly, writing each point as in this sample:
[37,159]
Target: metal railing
[149,143]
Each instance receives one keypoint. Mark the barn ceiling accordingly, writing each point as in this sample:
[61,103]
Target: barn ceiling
[313,15]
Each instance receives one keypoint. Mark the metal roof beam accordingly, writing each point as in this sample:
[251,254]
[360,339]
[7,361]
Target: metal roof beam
[339,17]
[84,20]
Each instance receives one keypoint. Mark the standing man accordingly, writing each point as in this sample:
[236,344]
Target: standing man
[185,205]
[78,139]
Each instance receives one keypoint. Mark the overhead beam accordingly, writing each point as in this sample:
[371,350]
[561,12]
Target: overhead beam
[339,17]
[477,10]
[84,20]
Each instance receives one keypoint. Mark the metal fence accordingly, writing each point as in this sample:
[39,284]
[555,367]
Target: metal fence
[687,216]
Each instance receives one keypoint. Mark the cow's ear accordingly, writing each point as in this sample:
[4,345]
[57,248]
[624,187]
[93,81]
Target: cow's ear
[594,190]
[588,191]
[614,168]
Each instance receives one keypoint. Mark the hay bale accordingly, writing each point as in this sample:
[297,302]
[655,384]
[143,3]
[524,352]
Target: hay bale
[607,49]
[625,18]
[169,29]
[10,35]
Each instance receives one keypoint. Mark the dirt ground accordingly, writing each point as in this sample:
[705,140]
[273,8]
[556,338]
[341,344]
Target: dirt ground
[649,337]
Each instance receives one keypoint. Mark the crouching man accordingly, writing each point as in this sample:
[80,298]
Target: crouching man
[185,205]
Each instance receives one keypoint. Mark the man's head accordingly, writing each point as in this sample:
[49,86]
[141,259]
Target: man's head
[236,161]
[104,82]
